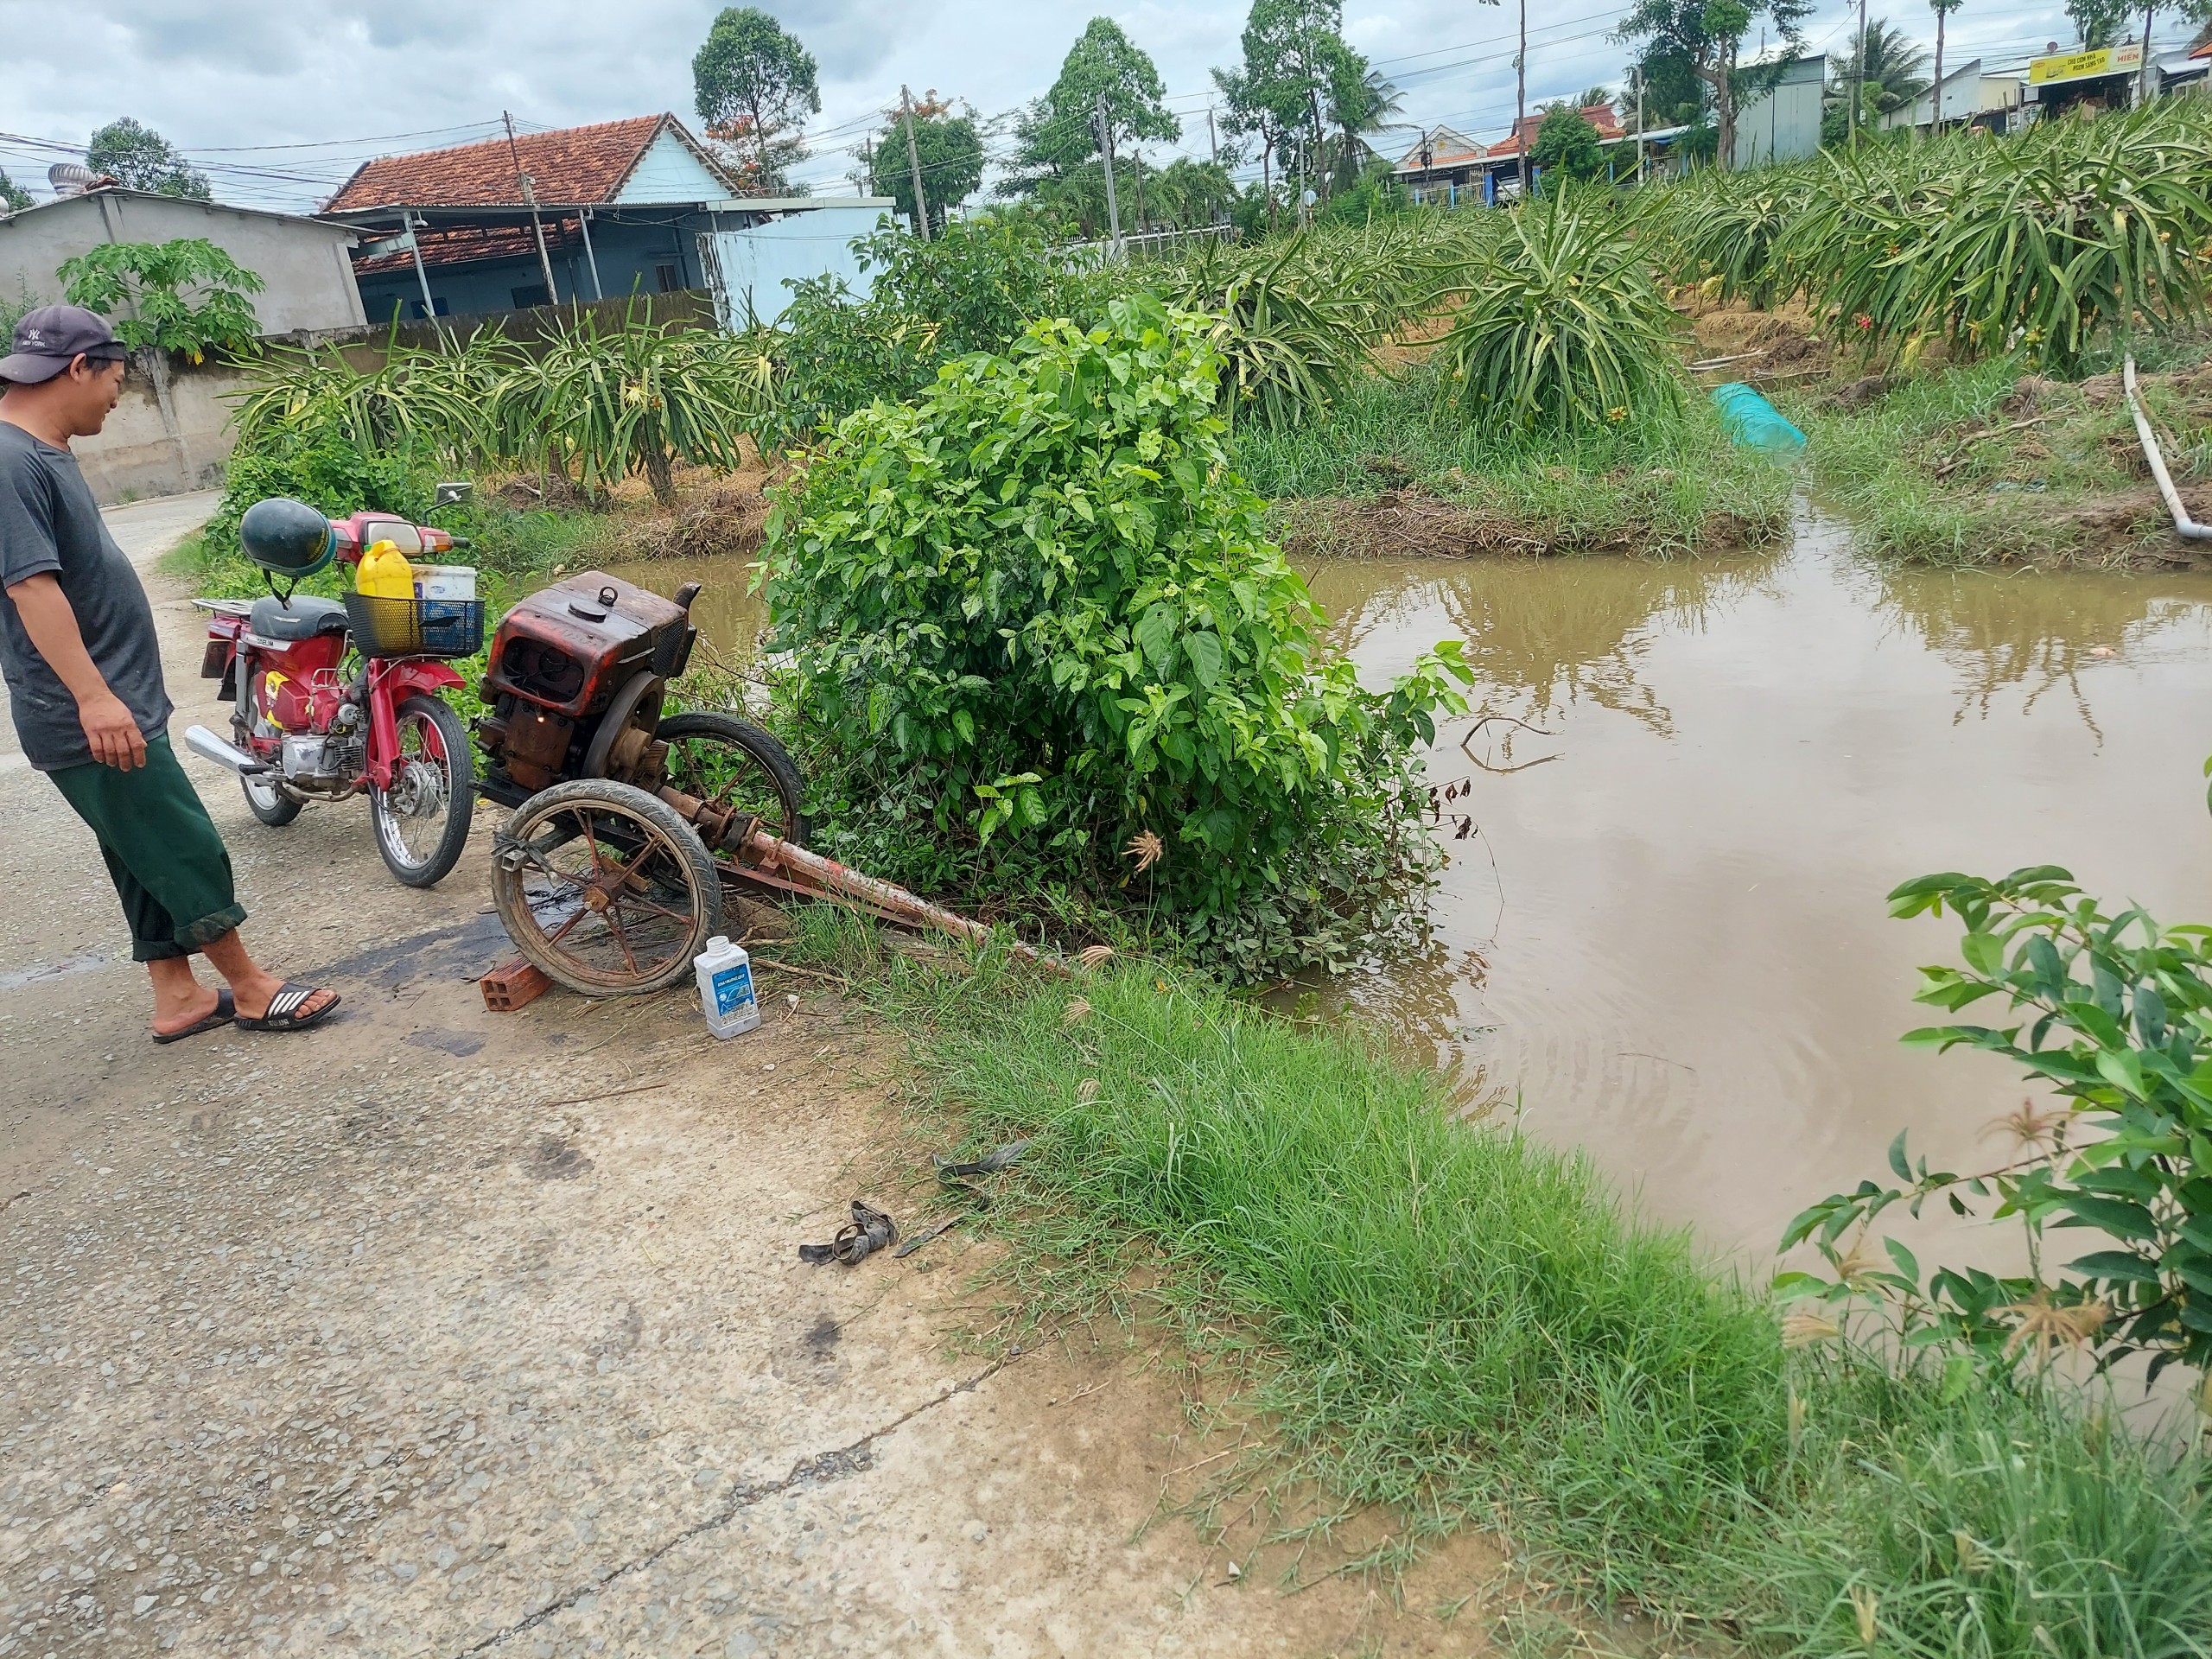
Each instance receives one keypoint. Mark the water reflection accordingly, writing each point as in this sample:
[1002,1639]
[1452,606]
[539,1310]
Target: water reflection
[1543,634]
[1669,946]
[2009,632]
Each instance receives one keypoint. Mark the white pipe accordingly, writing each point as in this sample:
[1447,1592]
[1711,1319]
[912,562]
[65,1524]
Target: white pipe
[2184,526]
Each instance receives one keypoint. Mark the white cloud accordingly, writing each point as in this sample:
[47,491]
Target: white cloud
[210,73]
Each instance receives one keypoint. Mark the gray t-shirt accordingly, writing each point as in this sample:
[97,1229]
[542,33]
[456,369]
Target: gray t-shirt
[49,521]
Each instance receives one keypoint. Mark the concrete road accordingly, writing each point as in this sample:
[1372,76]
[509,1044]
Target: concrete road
[438,1331]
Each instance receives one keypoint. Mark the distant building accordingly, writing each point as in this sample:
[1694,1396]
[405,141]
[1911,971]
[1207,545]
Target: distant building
[1971,97]
[2104,79]
[1442,163]
[1446,166]
[1781,123]
[637,206]
[303,262]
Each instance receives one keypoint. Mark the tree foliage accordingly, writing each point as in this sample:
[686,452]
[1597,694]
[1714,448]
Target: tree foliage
[141,158]
[974,288]
[1565,148]
[755,85]
[1056,136]
[13,197]
[2097,23]
[1701,38]
[186,295]
[1294,63]
[949,148]
[1037,609]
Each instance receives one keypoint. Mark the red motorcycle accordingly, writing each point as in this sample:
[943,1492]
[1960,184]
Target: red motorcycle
[330,699]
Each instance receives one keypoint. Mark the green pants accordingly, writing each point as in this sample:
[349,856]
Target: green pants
[168,864]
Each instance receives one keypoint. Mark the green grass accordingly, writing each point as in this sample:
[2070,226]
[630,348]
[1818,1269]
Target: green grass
[1461,1325]
[1668,483]
[2068,489]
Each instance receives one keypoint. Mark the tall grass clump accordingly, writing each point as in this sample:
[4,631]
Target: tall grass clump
[1559,323]
[1976,1524]
[1457,1320]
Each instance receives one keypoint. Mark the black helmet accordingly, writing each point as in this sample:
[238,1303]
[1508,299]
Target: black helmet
[287,538]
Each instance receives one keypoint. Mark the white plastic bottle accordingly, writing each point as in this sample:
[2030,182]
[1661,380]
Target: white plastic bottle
[726,995]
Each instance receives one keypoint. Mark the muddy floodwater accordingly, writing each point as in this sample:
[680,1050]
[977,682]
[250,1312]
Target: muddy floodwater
[1663,938]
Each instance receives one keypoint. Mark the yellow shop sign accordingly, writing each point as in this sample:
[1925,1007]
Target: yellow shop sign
[2087,65]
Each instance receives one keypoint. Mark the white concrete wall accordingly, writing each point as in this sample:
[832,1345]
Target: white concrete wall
[754,264]
[135,455]
[308,277]
[667,171]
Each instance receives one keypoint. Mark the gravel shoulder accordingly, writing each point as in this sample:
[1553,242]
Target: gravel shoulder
[439,1331]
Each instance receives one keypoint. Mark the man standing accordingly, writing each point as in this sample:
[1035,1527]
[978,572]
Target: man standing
[84,671]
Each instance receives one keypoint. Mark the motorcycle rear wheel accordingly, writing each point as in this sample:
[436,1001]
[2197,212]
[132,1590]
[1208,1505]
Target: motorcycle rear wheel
[265,797]
[604,888]
[421,820]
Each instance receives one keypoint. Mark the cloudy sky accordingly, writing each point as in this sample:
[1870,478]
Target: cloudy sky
[277,100]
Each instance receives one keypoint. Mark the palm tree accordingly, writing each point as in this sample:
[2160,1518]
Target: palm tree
[1895,64]
[1893,77]
[1590,96]
[1359,103]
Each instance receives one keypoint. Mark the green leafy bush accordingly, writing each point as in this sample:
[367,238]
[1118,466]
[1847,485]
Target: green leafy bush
[1560,324]
[185,295]
[974,287]
[2117,1020]
[1034,613]
[325,469]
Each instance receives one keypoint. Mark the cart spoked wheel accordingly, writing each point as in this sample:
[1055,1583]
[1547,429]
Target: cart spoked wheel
[604,888]
[735,766]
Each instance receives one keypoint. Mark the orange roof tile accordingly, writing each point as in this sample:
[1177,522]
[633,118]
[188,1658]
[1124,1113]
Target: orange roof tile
[569,164]
[1599,116]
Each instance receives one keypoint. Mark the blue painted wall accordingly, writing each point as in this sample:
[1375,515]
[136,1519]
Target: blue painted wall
[630,256]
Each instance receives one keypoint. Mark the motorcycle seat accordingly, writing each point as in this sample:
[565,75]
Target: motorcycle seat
[304,618]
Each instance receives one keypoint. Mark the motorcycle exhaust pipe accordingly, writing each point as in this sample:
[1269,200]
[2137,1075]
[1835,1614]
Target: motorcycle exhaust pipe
[208,746]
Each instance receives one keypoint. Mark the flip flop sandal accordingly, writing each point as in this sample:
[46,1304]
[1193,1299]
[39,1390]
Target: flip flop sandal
[868,1231]
[284,1010]
[225,1011]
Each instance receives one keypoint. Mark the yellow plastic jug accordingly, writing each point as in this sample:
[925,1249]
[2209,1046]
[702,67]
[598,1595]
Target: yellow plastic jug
[385,573]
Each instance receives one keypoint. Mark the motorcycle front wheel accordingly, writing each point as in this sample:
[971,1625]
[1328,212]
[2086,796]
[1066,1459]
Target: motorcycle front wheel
[421,820]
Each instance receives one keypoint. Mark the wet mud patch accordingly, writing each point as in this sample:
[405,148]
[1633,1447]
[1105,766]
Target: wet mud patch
[553,1159]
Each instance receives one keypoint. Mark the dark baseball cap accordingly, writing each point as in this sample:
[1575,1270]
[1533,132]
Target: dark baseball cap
[51,338]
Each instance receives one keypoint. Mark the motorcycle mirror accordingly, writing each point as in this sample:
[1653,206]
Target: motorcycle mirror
[453,491]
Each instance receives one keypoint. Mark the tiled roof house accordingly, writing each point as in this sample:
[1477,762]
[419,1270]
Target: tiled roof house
[624,206]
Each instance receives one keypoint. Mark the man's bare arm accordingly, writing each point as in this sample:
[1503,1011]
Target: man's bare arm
[114,735]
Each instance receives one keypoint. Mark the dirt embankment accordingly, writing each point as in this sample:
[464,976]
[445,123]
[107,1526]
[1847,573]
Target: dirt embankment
[1409,522]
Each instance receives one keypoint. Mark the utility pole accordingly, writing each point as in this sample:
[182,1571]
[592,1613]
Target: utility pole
[1858,78]
[914,164]
[529,195]
[1521,96]
[1936,125]
[1213,145]
[2144,84]
[1105,131]
[1638,72]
